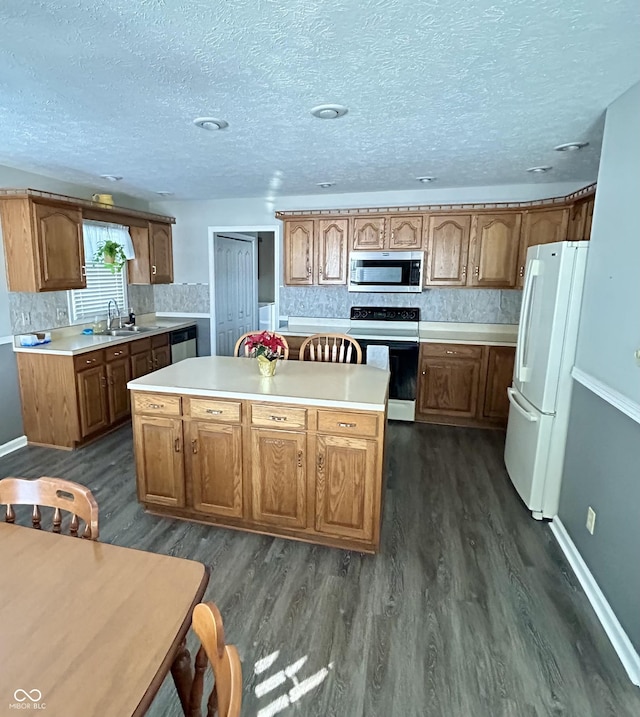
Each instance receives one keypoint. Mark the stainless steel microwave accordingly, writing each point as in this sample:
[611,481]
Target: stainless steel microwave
[386,271]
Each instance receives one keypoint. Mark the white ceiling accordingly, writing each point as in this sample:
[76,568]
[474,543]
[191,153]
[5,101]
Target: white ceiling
[472,92]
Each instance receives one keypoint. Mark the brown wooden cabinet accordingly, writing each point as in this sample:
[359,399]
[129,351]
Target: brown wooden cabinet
[91,385]
[405,232]
[543,226]
[278,477]
[118,374]
[43,245]
[153,245]
[447,244]
[313,474]
[215,467]
[344,496]
[399,231]
[449,380]
[369,233]
[494,247]
[298,252]
[461,384]
[500,360]
[159,461]
[333,247]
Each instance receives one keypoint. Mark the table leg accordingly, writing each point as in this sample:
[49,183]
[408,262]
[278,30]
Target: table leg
[182,675]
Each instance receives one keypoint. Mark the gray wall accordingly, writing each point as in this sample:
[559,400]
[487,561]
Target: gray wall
[10,412]
[603,448]
[601,471]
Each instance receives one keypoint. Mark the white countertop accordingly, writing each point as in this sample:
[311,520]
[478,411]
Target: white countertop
[297,382]
[429,331]
[71,344]
[486,334]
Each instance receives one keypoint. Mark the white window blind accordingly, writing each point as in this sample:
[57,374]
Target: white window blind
[102,285]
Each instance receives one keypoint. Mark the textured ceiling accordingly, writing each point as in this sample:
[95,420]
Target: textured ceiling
[471,92]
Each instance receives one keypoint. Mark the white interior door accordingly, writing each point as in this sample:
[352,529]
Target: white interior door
[235,286]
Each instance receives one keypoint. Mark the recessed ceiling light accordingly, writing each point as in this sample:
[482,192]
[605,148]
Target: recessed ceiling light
[325,185]
[539,170]
[426,180]
[210,123]
[570,146]
[329,111]
[165,194]
[111,177]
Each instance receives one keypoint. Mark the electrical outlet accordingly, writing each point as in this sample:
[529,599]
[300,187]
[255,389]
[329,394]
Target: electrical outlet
[591,519]
[61,313]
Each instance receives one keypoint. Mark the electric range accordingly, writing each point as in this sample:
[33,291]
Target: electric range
[397,328]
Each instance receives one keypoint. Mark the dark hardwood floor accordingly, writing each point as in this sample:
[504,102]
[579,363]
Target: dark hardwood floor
[470,609]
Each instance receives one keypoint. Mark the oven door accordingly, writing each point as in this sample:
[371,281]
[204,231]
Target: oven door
[403,365]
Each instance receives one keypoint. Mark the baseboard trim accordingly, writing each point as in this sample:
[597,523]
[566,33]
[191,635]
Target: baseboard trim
[615,632]
[13,445]
[608,394]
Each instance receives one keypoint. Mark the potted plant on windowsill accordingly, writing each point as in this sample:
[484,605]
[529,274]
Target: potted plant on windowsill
[267,348]
[111,254]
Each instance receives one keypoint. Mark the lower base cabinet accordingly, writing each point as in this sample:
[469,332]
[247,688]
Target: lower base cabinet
[221,464]
[466,385]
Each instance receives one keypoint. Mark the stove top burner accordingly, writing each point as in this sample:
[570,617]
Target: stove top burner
[384,313]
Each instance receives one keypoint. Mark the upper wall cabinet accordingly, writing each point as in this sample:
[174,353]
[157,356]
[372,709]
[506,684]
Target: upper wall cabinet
[43,245]
[447,244]
[154,254]
[580,216]
[333,244]
[315,251]
[375,233]
[298,252]
[544,226]
[494,249]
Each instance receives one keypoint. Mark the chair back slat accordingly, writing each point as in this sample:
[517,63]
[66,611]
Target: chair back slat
[51,493]
[242,348]
[334,348]
[226,697]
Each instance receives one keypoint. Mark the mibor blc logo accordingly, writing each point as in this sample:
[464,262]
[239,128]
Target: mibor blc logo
[27,700]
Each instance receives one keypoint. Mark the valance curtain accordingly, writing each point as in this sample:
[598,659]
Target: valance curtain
[96,232]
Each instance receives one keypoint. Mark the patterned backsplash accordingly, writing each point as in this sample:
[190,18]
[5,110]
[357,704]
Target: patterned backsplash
[478,306]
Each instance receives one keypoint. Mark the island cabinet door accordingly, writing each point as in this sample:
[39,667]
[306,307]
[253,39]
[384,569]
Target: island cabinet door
[345,473]
[278,477]
[215,460]
[159,449]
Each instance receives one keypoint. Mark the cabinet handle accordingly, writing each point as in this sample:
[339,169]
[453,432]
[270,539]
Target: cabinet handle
[156,405]
[83,271]
[424,373]
[522,271]
[451,352]
[111,381]
[320,462]
[194,445]
[90,361]
[308,270]
[117,353]
[393,234]
[277,418]
[300,455]
[464,270]
[212,412]
[347,425]
[150,364]
[476,271]
[176,445]
[103,381]
[154,270]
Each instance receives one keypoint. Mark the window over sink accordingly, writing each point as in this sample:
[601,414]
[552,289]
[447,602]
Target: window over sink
[102,283]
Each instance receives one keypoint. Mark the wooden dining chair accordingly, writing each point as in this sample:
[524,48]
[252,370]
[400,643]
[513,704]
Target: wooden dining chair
[334,348]
[241,347]
[52,493]
[226,697]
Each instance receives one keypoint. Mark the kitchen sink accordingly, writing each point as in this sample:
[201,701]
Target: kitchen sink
[131,330]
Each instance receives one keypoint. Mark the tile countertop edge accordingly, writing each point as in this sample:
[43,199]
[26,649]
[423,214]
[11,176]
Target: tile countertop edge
[291,400]
[104,341]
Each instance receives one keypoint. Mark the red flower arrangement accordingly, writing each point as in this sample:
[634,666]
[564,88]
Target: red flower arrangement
[265,344]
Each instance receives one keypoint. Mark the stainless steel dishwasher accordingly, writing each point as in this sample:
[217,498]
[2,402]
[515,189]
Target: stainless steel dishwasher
[183,344]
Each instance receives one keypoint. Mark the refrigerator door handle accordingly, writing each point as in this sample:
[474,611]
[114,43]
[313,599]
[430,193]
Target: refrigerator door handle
[522,371]
[520,409]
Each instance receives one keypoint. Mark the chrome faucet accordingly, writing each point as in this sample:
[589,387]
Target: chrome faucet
[110,318]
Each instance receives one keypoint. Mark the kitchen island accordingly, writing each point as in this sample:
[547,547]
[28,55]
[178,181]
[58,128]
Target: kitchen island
[298,455]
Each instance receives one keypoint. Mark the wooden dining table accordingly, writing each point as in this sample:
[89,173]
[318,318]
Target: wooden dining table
[88,628]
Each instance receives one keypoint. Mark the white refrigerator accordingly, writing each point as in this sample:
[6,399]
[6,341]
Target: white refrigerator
[541,392]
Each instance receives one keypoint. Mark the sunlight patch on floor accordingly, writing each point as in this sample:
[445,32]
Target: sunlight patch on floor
[299,689]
